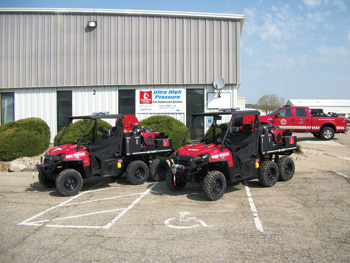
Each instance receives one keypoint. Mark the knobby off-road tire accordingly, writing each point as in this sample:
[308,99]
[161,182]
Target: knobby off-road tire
[44,181]
[268,173]
[327,133]
[169,180]
[214,185]
[69,182]
[137,172]
[286,167]
[158,170]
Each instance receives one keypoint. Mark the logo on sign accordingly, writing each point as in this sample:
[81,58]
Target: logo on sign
[146,97]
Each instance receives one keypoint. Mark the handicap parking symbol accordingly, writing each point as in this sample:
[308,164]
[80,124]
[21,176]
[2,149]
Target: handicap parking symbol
[185,222]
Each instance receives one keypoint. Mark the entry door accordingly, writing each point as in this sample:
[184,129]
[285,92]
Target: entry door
[195,104]
[64,108]
[126,102]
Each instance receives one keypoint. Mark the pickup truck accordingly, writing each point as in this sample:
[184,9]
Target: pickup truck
[300,119]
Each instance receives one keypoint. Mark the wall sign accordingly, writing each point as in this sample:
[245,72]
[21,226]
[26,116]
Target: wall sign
[216,102]
[161,101]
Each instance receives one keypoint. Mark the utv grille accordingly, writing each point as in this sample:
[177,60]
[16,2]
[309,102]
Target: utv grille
[185,161]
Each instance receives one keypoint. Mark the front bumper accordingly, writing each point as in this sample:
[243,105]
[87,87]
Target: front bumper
[187,165]
[50,163]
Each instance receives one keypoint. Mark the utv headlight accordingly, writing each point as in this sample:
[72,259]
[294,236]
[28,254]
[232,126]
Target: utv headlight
[206,155]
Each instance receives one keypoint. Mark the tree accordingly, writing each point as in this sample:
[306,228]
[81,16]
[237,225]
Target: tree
[269,102]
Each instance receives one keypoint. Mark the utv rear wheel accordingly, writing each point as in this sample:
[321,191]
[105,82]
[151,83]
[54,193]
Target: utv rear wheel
[286,167]
[214,185]
[137,172]
[158,169]
[44,181]
[268,173]
[327,133]
[69,182]
[179,184]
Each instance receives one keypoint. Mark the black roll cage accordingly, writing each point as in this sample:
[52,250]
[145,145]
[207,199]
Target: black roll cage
[232,112]
[91,118]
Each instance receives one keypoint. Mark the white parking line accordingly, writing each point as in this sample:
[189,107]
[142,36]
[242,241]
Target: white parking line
[31,222]
[343,175]
[253,209]
[129,207]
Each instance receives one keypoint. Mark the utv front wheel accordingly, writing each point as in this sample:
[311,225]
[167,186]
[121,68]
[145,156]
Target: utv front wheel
[45,181]
[268,173]
[137,172]
[214,185]
[286,167]
[158,169]
[69,182]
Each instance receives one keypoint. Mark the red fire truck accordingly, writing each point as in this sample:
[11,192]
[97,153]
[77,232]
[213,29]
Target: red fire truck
[302,119]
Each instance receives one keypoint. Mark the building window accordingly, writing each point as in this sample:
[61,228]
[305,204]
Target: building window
[195,104]
[64,108]
[126,102]
[7,107]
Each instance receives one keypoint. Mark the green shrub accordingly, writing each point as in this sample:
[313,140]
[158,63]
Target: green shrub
[172,128]
[77,129]
[26,137]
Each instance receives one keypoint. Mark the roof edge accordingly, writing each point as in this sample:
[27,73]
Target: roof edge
[123,12]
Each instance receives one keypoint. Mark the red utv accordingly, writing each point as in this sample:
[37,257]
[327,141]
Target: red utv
[240,149]
[126,149]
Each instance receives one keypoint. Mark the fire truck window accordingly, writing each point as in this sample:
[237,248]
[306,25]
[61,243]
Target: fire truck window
[300,112]
[285,113]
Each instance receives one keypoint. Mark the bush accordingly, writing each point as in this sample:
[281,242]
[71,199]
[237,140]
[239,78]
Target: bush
[172,127]
[77,129]
[26,137]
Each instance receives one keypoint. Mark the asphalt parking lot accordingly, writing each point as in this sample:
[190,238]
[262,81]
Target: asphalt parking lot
[302,220]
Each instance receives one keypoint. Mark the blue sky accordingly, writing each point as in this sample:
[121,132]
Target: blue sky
[297,49]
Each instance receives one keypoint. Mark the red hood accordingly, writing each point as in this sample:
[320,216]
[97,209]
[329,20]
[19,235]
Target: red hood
[199,149]
[265,119]
[66,149]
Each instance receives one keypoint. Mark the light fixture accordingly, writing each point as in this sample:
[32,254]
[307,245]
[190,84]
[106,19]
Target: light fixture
[92,24]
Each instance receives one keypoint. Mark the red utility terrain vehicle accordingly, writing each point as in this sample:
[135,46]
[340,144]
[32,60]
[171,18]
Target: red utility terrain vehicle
[302,119]
[125,148]
[232,152]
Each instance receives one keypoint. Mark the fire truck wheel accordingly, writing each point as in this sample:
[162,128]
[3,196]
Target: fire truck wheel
[268,173]
[137,172]
[44,181]
[214,185]
[69,182]
[286,167]
[327,133]
[158,169]
[169,179]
